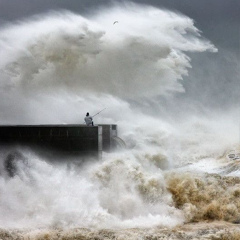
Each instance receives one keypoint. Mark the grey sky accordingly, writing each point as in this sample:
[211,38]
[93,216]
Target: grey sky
[213,75]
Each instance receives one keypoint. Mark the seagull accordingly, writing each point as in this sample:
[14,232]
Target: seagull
[115,22]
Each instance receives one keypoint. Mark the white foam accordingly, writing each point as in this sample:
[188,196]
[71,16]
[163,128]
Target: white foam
[55,68]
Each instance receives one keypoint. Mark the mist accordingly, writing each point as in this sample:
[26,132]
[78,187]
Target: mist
[56,67]
[62,54]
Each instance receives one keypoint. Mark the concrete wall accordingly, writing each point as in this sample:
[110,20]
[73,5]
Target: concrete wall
[68,138]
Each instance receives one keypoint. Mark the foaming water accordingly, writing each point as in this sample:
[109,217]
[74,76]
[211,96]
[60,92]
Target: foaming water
[174,171]
[112,193]
[206,197]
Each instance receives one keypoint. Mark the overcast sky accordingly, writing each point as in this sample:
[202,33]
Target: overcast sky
[217,19]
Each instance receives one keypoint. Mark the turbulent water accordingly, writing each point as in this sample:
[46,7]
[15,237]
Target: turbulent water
[177,172]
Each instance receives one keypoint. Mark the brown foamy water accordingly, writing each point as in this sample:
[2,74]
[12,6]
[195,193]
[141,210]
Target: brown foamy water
[206,196]
[205,230]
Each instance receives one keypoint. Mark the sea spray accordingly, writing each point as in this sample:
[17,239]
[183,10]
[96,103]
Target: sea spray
[47,58]
[57,67]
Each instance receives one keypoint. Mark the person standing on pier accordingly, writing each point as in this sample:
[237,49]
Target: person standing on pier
[88,120]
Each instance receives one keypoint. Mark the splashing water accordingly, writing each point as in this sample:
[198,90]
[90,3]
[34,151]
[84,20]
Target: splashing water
[65,61]
[55,68]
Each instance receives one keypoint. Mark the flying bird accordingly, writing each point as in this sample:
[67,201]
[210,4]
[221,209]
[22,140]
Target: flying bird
[115,22]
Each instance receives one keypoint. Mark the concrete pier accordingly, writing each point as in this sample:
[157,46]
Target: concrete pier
[77,139]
